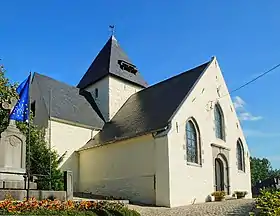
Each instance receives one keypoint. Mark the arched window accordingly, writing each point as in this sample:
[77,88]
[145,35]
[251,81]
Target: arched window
[193,145]
[240,156]
[219,122]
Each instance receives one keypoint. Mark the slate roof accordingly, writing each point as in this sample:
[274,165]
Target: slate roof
[68,102]
[149,109]
[106,63]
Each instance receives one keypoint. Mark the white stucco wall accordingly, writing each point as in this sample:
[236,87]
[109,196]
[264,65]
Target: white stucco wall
[162,171]
[67,137]
[119,92]
[123,169]
[112,94]
[102,100]
[192,184]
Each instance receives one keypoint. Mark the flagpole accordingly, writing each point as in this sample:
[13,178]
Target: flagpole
[50,145]
[29,140]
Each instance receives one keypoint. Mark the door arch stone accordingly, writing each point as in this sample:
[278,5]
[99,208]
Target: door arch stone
[221,168]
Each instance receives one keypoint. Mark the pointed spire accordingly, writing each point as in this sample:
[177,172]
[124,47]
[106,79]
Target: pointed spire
[112,60]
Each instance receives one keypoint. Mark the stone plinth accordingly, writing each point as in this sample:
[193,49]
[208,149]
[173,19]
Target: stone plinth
[37,194]
[17,185]
[12,154]
[68,184]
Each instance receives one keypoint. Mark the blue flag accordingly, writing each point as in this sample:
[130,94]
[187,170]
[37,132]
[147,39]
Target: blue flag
[22,85]
[20,111]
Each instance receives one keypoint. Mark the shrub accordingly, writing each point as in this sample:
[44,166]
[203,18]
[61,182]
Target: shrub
[219,195]
[240,194]
[56,207]
[268,203]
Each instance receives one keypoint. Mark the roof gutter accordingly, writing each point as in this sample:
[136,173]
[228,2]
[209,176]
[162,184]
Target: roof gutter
[155,133]
[74,124]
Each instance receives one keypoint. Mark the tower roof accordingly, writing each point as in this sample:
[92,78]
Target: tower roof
[112,60]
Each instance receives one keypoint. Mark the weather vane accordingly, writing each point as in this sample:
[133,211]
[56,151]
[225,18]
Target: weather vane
[112,28]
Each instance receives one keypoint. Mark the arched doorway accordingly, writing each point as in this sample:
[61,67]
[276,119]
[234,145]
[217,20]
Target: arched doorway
[219,175]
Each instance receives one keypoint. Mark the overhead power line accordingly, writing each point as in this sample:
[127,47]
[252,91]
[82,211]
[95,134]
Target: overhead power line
[253,80]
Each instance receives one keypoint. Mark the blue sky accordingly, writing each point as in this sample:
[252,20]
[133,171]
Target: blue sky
[163,38]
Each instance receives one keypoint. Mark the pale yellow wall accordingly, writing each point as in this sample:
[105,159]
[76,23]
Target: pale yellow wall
[66,137]
[190,183]
[113,93]
[123,169]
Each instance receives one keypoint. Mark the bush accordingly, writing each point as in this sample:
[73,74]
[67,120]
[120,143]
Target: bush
[268,203]
[56,207]
[240,194]
[219,195]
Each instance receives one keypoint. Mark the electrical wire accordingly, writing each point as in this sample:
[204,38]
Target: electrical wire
[237,89]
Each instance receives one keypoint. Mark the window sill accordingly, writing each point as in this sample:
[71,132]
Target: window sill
[241,171]
[194,164]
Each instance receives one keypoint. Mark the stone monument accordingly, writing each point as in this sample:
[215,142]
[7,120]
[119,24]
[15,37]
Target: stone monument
[13,167]
[12,154]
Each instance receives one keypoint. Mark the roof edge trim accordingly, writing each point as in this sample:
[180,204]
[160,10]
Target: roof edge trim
[186,96]
[73,123]
[122,139]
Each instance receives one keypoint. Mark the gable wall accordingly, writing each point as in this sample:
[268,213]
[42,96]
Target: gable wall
[66,137]
[123,169]
[190,183]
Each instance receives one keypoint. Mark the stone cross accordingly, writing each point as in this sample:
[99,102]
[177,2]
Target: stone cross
[9,106]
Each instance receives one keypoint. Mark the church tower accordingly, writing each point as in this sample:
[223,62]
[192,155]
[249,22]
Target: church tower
[111,79]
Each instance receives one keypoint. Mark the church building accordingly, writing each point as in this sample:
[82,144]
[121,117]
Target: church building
[169,144]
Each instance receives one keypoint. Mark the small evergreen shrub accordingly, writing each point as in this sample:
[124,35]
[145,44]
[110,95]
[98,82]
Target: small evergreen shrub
[268,203]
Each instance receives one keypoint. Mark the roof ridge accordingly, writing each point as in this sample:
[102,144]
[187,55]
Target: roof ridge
[111,60]
[62,82]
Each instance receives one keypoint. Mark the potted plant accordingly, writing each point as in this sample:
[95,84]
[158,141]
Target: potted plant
[219,195]
[240,194]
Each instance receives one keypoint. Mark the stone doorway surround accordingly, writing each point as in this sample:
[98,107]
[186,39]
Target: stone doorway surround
[220,157]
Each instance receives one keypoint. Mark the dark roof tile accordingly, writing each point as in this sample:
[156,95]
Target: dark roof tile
[69,103]
[149,109]
[106,63]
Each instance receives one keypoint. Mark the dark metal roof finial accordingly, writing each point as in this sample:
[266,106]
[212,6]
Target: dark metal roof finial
[112,29]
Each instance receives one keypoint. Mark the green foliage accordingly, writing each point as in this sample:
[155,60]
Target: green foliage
[40,158]
[268,203]
[7,90]
[240,194]
[40,152]
[261,169]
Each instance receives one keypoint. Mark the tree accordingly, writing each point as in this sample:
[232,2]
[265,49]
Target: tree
[7,91]
[260,169]
[40,153]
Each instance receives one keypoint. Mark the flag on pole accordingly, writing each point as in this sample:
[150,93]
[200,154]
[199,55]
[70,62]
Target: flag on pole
[21,110]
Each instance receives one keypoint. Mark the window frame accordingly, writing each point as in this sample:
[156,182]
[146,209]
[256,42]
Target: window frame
[240,156]
[221,124]
[195,142]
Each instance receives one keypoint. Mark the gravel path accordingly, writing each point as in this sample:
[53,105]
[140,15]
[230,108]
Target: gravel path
[240,207]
